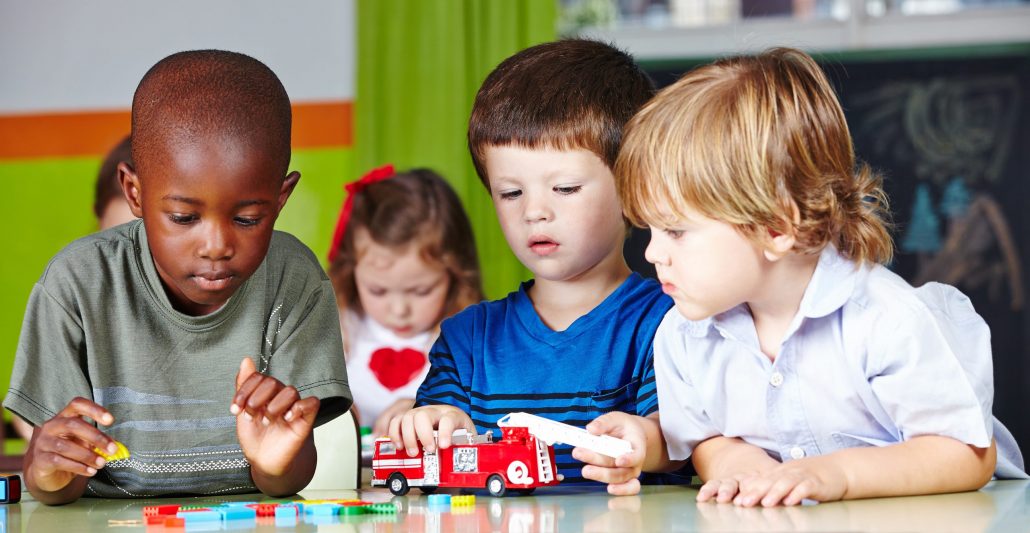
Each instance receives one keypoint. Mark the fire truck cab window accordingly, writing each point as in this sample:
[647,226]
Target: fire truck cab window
[387,447]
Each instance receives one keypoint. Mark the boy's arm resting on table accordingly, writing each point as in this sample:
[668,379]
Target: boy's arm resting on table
[649,454]
[734,471]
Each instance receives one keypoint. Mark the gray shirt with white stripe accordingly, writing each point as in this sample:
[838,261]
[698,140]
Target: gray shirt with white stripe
[99,325]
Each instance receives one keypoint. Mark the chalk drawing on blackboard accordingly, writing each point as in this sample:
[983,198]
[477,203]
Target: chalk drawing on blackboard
[953,134]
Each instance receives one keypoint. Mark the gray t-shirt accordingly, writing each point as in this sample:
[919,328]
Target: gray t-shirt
[99,325]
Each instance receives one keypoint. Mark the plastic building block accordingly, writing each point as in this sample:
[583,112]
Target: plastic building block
[382,508]
[264,509]
[551,432]
[121,453]
[286,510]
[238,513]
[200,516]
[439,499]
[10,488]
[461,501]
[174,521]
[160,510]
[352,510]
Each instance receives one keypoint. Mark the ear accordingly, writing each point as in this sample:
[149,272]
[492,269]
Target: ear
[781,241]
[287,189]
[131,188]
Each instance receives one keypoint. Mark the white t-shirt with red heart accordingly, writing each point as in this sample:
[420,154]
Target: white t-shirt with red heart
[382,367]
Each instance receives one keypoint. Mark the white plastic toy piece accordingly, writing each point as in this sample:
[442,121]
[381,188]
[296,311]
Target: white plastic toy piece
[552,432]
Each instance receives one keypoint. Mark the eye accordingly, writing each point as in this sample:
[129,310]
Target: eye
[423,291]
[181,219]
[247,221]
[567,190]
[510,195]
[376,291]
[673,233]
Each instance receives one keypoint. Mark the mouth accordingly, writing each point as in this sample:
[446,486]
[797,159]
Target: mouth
[403,330]
[215,280]
[668,288]
[542,245]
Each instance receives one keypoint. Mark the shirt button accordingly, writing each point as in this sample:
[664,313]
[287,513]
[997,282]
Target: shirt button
[776,379]
[797,452]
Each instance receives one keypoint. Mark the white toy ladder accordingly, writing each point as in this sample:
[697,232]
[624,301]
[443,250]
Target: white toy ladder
[543,463]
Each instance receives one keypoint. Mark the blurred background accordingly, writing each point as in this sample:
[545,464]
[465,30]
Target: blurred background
[937,95]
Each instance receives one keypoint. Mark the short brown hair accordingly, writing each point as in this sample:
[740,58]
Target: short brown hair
[741,140]
[567,94]
[419,208]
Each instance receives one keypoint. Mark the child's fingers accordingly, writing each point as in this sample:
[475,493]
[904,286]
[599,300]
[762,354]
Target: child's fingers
[707,491]
[727,490]
[779,490]
[409,440]
[624,489]
[593,458]
[246,369]
[423,424]
[80,406]
[254,394]
[803,490]
[395,430]
[609,475]
[280,404]
[752,490]
[303,411]
[77,432]
[444,432]
[606,424]
[48,462]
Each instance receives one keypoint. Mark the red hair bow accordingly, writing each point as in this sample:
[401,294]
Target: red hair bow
[373,176]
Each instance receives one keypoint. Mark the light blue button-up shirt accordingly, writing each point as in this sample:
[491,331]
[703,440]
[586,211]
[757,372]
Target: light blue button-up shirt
[868,361]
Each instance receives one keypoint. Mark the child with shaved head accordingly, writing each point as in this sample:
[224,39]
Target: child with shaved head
[192,334]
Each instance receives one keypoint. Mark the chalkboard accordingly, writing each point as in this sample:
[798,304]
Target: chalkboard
[951,133]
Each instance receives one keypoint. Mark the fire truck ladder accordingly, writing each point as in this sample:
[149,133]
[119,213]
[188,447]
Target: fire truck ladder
[551,432]
[543,462]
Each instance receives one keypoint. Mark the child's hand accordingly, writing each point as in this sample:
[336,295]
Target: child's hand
[815,478]
[417,425]
[397,408]
[620,473]
[723,490]
[272,422]
[62,448]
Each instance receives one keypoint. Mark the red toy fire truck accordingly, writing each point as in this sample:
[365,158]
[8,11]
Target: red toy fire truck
[518,462]
[522,460]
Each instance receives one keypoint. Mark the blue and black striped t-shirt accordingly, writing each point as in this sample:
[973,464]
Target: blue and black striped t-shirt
[499,357]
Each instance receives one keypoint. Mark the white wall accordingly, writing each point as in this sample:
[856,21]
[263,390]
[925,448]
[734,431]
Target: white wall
[59,55]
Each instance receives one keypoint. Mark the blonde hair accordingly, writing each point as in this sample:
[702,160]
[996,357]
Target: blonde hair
[746,139]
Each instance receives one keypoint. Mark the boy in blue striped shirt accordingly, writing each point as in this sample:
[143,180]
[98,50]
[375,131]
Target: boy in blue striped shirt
[576,341]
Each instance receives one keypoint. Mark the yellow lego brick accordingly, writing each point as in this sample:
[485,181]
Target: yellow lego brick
[121,453]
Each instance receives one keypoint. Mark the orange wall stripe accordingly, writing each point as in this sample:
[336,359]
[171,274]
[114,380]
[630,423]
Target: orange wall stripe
[315,125]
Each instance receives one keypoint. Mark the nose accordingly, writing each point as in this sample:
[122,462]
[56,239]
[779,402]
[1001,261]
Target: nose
[399,306]
[655,252]
[537,207]
[216,243]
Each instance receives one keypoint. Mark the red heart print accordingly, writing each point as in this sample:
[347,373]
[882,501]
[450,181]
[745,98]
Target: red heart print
[395,369]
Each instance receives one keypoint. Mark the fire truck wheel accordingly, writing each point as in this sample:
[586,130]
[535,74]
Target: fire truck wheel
[428,490]
[495,485]
[398,484]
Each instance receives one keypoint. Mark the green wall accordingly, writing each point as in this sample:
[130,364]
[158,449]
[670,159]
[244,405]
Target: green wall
[50,205]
